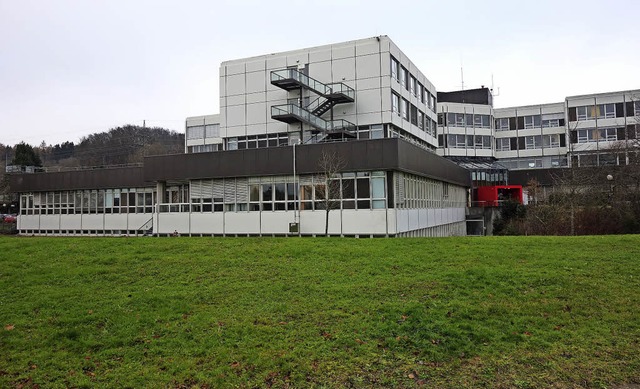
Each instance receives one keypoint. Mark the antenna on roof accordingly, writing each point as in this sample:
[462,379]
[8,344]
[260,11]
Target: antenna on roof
[461,78]
[496,93]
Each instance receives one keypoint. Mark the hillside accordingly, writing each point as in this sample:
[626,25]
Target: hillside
[120,145]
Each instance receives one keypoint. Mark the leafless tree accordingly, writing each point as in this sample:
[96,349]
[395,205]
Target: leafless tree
[327,183]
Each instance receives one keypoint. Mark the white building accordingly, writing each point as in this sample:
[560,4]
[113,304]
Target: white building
[253,169]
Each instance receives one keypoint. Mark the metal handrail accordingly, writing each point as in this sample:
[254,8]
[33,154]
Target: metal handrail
[317,122]
[324,89]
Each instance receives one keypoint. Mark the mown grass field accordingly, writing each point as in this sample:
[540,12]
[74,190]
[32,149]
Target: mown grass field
[523,312]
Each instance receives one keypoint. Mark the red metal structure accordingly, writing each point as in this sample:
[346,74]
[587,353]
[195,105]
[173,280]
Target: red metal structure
[494,196]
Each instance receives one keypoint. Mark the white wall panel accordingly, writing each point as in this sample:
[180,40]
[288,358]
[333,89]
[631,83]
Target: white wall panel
[235,84]
[276,62]
[259,97]
[368,101]
[371,46]
[320,55]
[257,65]
[207,223]
[72,222]
[167,223]
[118,221]
[235,100]
[367,83]
[237,68]
[49,222]
[235,115]
[92,222]
[339,52]
[257,113]
[368,66]
[276,222]
[364,221]
[242,223]
[256,82]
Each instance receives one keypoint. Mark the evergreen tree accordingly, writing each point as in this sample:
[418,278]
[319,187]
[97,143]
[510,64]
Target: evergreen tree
[25,155]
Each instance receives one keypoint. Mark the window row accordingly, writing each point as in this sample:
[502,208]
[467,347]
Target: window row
[84,232]
[419,192]
[396,132]
[208,131]
[412,114]
[409,82]
[139,200]
[459,141]
[586,135]
[362,190]
[604,111]
[530,122]
[204,148]
[452,119]
[605,159]
[258,141]
[535,163]
[531,142]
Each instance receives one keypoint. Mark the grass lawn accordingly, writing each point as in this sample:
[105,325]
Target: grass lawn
[524,312]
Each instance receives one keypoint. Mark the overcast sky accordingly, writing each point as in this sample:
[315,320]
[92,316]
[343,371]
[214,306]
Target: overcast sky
[72,68]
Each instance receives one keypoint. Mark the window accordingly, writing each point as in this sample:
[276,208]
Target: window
[600,111]
[457,141]
[532,121]
[196,132]
[481,121]
[377,132]
[608,110]
[608,134]
[468,119]
[502,124]
[503,144]
[405,109]
[533,142]
[546,123]
[478,142]
[551,140]
[412,85]
[212,131]
[394,69]
[582,113]
[421,92]
[232,144]
[395,103]
[414,115]
[404,77]
[420,120]
[486,142]
[588,135]
[455,119]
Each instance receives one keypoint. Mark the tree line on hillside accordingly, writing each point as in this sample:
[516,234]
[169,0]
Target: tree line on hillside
[118,146]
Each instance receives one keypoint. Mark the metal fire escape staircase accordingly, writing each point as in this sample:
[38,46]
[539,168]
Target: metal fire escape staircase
[328,96]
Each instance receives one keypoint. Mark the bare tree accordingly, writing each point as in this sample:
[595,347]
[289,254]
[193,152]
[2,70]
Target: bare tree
[327,183]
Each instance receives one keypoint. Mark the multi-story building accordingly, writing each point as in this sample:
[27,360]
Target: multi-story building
[581,131]
[255,168]
[404,156]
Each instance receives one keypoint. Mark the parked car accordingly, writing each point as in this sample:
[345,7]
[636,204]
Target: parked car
[10,218]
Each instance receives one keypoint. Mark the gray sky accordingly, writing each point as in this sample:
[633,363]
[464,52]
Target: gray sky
[72,68]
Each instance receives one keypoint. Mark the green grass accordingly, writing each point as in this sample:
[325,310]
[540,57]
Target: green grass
[524,312]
